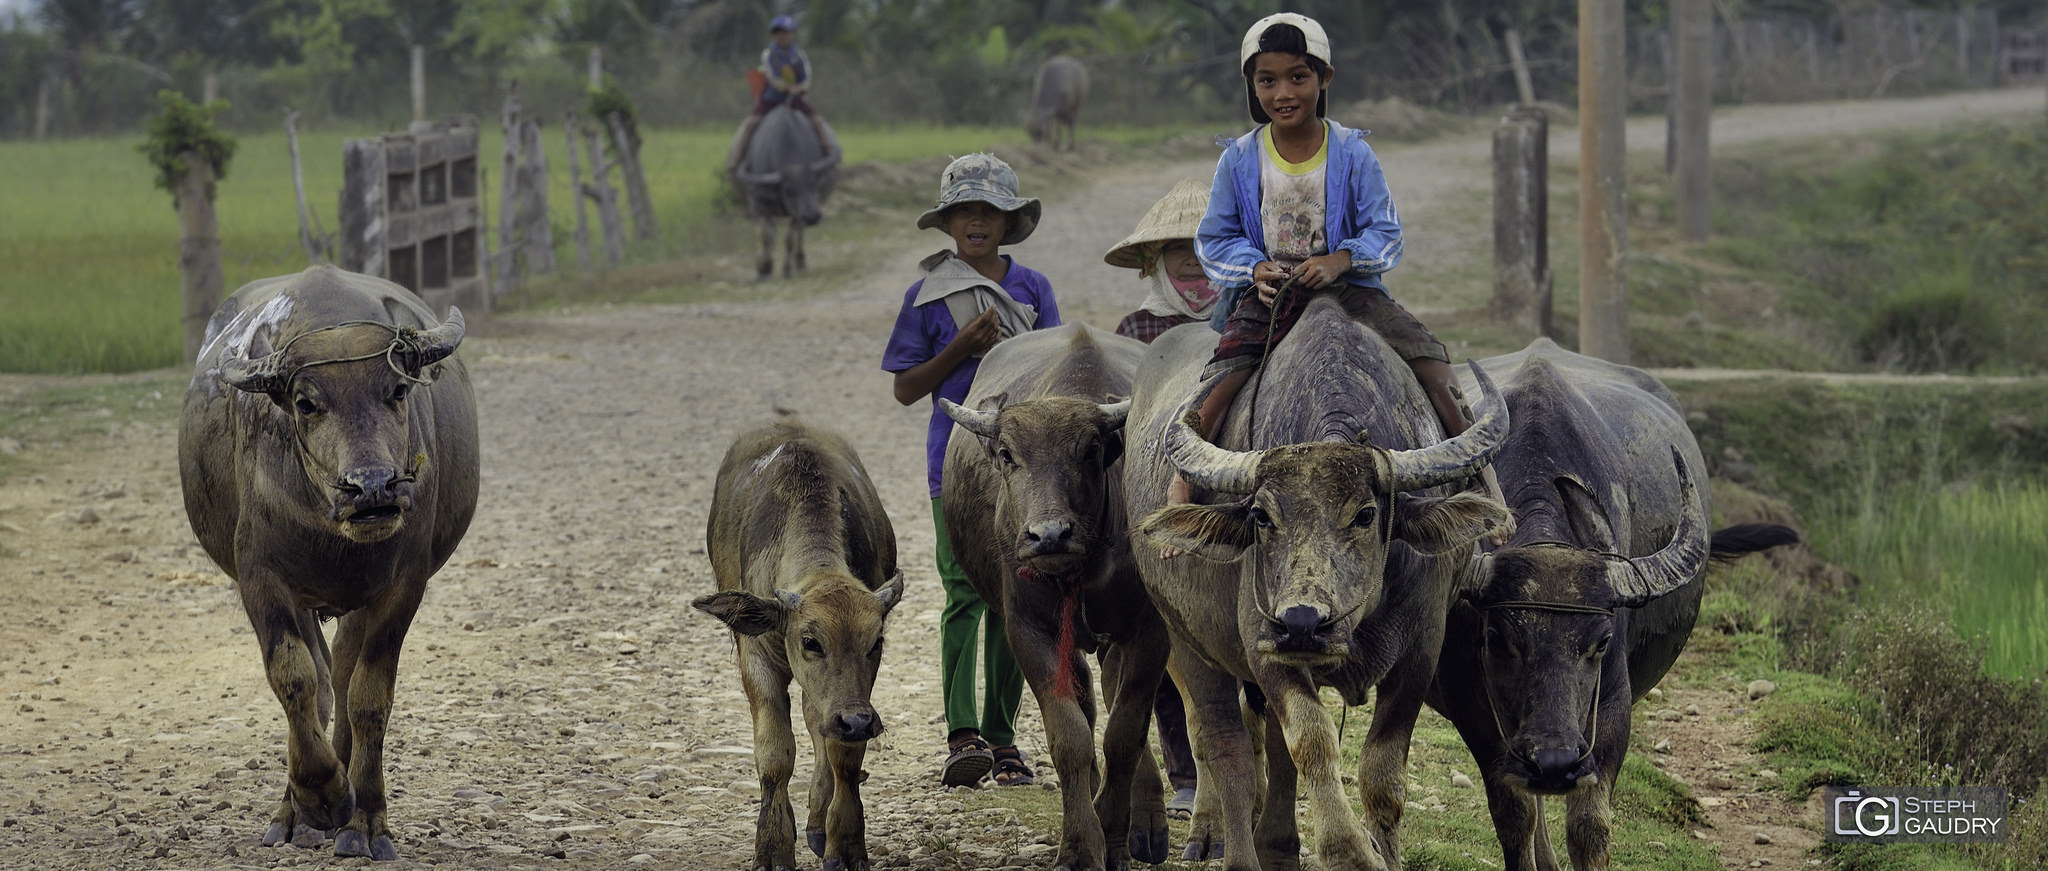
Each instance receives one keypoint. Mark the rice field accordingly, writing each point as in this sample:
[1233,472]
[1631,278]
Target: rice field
[90,247]
[1978,552]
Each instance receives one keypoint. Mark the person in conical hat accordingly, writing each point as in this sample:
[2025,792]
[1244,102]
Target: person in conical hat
[1162,249]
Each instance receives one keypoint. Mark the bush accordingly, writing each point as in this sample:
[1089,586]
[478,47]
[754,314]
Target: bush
[1938,324]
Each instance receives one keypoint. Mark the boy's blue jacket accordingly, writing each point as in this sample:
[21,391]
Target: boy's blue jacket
[1358,211]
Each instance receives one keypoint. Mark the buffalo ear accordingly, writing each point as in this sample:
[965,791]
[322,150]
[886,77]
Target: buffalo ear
[1218,532]
[1436,525]
[1582,510]
[1112,448]
[745,613]
[890,592]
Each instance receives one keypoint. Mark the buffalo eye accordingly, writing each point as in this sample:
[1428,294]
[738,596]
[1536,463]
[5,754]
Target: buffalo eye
[306,406]
[1599,648]
[1261,519]
[1366,516]
[398,393]
[812,647]
[1003,454]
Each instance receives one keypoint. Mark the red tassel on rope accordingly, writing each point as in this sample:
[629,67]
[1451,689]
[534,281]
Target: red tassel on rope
[1063,677]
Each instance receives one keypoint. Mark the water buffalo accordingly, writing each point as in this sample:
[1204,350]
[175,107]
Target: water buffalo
[1559,632]
[1034,508]
[328,451]
[806,565]
[1320,566]
[787,173]
[1056,99]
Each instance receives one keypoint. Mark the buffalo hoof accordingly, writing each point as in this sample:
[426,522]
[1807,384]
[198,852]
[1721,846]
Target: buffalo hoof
[842,865]
[349,842]
[277,834]
[1150,848]
[1196,851]
[308,837]
[817,839]
[764,276]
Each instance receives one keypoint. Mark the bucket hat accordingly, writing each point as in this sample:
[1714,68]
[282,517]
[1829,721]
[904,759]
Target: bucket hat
[985,178]
[1176,216]
[782,22]
[1318,48]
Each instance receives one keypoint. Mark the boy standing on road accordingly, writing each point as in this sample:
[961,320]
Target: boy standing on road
[1302,202]
[969,299]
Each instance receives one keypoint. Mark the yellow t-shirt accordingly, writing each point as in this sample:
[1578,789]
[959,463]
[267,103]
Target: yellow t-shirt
[1291,208]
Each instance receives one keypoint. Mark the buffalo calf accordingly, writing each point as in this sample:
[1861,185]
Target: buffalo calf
[806,565]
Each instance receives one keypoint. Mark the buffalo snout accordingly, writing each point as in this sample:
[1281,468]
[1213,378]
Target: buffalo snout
[853,726]
[1300,630]
[1049,536]
[372,494]
[1554,768]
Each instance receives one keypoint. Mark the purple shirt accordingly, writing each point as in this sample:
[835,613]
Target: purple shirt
[922,331]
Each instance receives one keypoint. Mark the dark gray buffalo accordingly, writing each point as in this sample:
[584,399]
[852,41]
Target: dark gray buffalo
[1034,508]
[1559,632]
[806,565]
[328,450]
[1056,99]
[1324,560]
[787,173]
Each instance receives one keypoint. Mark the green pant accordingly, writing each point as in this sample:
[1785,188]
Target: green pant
[1004,684]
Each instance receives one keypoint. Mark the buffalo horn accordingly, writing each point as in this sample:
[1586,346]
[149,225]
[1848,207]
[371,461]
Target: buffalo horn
[1205,464]
[824,163]
[432,346]
[1117,412]
[761,178]
[981,423]
[1638,581]
[1457,458]
[254,376]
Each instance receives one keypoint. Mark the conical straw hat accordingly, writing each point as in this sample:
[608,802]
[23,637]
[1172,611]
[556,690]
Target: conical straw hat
[1175,216]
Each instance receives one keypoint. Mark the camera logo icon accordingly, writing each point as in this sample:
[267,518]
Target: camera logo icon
[1871,816]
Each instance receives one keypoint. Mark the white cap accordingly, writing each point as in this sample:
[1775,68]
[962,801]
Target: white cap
[1312,33]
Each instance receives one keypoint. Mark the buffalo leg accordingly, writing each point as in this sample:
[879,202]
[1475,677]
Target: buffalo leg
[1383,760]
[846,846]
[1140,825]
[764,265]
[793,261]
[1224,751]
[1312,746]
[1070,729]
[1276,834]
[366,671]
[317,795]
[1587,823]
[774,757]
[1515,823]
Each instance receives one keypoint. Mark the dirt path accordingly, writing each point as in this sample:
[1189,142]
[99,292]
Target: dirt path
[560,704]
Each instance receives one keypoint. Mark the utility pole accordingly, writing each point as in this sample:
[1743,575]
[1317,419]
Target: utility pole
[419,83]
[1693,40]
[1603,183]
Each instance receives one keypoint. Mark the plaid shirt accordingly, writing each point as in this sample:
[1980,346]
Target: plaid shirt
[1146,326]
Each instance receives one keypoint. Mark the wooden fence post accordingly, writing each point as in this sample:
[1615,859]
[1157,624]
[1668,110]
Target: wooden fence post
[198,251]
[419,83]
[314,241]
[1603,182]
[1524,89]
[537,238]
[569,129]
[636,184]
[507,271]
[600,190]
[1521,231]
[1692,113]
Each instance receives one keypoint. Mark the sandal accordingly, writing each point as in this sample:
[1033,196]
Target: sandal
[1182,807]
[966,761]
[1010,769]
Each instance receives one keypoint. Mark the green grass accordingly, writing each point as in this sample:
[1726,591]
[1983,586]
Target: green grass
[1978,551]
[91,247]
